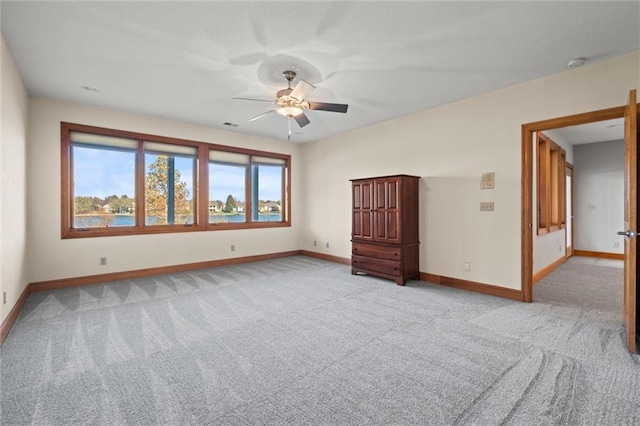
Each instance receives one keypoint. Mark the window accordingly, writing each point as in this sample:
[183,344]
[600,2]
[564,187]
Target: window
[168,184]
[268,180]
[551,185]
[245,188]
[103,181]
[122,183]
[227,187]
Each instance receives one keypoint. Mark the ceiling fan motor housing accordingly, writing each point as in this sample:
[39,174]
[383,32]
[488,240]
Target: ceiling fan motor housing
[289,75]
[283,92]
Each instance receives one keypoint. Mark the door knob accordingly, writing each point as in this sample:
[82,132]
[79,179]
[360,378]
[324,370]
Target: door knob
[628,233]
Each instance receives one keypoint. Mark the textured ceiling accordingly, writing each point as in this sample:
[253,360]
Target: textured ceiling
[187,60]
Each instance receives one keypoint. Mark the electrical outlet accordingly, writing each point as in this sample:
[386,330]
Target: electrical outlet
[466,266]
[486,206]
[233,247]
[327,244]
[616,244]
[315,243]
[4,297]
[103,261]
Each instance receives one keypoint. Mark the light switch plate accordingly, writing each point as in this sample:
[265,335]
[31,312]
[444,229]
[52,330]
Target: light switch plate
[486,206]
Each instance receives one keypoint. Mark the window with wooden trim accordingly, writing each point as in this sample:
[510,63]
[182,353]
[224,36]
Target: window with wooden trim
[169,196]
[246,188]
[551,185]
[123,183]
[228,175]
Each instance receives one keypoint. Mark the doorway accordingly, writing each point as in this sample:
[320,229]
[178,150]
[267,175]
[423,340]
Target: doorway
[629,113]
[528,131]
[592,279]
[590,226]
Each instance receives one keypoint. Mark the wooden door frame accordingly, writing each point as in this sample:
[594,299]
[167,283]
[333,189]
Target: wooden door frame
[569,168]
[630,300]
[527,183]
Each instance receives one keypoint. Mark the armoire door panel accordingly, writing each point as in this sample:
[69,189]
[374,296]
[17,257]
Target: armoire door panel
[366,197]
[356,226]
[392,195]
[380,195]
[362,224]
[357,197]
[380,225]
[393,222]
[367,226]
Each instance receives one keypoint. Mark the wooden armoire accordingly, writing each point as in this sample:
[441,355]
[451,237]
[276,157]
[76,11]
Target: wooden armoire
[384,232]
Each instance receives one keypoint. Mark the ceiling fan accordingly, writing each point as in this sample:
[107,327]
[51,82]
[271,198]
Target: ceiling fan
[292,103]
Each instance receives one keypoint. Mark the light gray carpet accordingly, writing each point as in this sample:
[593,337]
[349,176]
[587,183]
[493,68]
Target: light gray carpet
[582,281]
[301,341]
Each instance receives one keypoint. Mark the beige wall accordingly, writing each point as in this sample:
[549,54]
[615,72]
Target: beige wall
[449,147]
[53,258]
[13,211]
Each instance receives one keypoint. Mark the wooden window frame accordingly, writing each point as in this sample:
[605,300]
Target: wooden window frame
[551,189]
[249,207]
[200,187]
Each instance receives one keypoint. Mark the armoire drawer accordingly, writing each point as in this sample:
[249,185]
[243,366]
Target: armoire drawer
[377,265]
[379,252]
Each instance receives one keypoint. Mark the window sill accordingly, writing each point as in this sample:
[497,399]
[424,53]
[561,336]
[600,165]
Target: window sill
[165,229]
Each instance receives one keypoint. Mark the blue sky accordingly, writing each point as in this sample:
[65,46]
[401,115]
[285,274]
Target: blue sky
[100,173]
[233,181]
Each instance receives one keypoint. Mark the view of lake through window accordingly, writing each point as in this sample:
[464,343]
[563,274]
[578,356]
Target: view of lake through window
[107,171]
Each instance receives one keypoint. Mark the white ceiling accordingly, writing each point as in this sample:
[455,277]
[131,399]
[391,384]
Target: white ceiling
[600,131]
[187,60]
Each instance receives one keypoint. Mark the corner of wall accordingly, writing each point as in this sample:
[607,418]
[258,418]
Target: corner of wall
[15,104]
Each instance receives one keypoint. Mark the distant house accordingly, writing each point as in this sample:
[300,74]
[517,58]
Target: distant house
[216,206]
[240,207]
[269,207]
[106,208]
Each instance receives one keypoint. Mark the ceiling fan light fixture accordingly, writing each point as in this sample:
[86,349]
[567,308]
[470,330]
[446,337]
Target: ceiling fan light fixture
[290,110]
[290,106]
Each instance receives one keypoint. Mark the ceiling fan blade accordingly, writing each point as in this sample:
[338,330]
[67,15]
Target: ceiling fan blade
[253,99]
[323,106]
[301,90]
[261,115]
[302,120]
